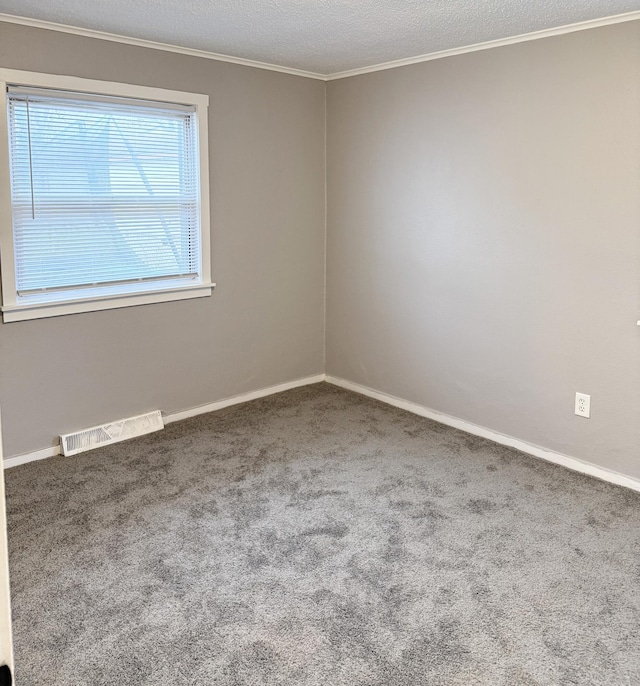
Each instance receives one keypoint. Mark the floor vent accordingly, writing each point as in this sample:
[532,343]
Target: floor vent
[97,436]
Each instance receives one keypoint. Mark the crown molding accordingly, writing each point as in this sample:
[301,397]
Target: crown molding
[394,64]
[154,45]
[500,42]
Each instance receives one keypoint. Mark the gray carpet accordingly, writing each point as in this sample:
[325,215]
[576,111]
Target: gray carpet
[318,538]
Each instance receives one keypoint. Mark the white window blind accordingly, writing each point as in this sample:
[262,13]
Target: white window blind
[104,191]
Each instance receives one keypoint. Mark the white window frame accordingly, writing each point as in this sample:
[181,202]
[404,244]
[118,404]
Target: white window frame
[12,309]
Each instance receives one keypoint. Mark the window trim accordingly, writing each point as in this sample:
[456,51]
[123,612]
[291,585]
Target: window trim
[107,298]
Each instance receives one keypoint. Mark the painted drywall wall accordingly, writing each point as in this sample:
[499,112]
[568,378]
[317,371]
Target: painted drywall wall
[263,325]
[483,253]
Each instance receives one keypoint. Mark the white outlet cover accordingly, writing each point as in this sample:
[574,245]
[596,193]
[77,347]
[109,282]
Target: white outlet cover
[583,405]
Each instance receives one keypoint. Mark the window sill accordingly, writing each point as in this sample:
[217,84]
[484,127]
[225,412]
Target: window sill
[40,310]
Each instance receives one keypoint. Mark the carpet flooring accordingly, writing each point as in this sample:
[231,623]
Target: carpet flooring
[319,538]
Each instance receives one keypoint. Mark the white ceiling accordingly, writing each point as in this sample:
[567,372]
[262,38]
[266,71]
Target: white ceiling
[322,36]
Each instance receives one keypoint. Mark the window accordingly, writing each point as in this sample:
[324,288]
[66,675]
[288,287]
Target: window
[101,205]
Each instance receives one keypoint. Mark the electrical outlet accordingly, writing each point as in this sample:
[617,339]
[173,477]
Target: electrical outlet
[583,405]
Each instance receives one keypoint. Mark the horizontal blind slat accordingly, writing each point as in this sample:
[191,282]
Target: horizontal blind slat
[104,190]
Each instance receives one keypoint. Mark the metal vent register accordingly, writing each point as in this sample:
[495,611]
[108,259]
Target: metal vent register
[97,436]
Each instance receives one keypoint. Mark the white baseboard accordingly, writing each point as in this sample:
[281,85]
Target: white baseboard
[184,414]
[242,398]
[9,462]
[549,455]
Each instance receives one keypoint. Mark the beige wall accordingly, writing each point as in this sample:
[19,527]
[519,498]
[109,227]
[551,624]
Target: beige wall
[483,246]
[484,238]
[264,323]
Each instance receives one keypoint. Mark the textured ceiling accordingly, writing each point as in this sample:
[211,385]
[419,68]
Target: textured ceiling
[323,36]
